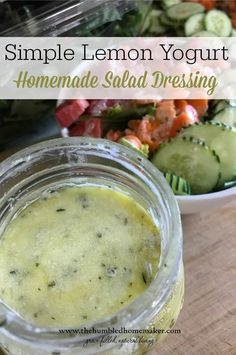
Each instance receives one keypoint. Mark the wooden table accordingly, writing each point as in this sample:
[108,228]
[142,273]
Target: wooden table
[208,318]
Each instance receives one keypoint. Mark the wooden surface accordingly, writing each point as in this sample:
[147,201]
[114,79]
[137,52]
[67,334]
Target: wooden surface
[208,317]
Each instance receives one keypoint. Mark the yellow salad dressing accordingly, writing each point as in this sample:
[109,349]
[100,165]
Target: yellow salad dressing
[77,255]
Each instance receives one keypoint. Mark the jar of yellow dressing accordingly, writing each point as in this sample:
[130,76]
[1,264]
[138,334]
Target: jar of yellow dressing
[90,250]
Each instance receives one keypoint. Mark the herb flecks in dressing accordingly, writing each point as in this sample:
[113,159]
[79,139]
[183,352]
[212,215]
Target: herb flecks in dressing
[77,256]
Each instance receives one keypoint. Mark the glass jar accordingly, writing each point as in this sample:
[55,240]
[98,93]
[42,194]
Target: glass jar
[86,161]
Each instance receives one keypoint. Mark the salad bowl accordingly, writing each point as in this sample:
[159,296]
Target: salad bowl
[193,142]
[191,203]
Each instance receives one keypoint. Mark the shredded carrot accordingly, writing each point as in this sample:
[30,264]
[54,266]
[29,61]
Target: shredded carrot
[143,129]
[233,18]
[208,4]
[170,117]
[134,124]
[200,105]
[181,121]
[165,111]
[180,106]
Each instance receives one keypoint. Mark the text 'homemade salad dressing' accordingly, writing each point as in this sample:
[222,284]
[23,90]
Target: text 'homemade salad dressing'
[77,256]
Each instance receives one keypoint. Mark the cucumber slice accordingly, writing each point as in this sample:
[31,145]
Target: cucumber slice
[168,22]
[156,27]
[204,34]
[221,139]
[183,11]
[179,185]
[218,22]
[192,160]
[168,3]
[227,116]
[194,24]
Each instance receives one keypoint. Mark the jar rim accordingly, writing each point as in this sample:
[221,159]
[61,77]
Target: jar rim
[159,289]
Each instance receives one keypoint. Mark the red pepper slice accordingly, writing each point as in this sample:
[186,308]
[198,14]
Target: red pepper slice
[68,112]
[91,127]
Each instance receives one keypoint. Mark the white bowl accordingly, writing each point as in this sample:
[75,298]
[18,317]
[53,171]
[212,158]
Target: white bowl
[200,203]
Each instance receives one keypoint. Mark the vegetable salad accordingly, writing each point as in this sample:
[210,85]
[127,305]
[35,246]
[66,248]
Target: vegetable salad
[193,142]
